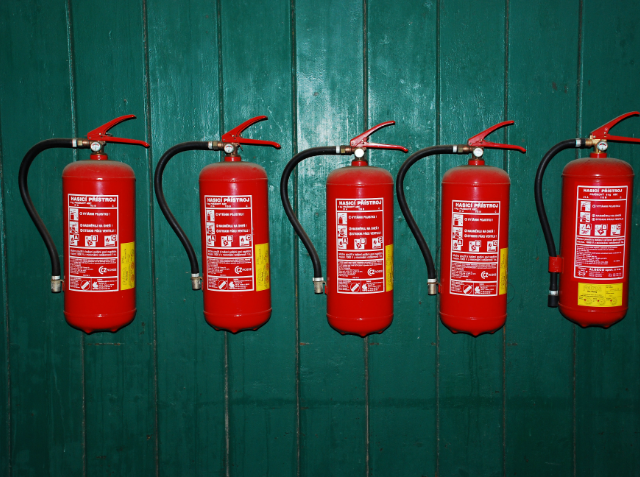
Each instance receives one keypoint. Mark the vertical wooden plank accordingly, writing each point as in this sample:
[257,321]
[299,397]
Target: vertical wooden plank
[539,342]
[44,352]
[402,360]
[472,69]
[607,375]
[256,58]
[329,46]
[119,368]
[183,58]
[5,363]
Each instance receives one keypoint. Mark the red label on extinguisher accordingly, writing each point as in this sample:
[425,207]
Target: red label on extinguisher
[228,222]
[475,236]
[601,214]
[360,244]
[93,254]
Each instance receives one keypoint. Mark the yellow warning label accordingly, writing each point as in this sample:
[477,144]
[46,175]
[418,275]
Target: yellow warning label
[600,295]
[389,269]
[262,267]
[504,258]
[127,266]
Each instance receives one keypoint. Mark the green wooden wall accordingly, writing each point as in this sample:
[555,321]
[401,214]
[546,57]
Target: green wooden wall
[170,396]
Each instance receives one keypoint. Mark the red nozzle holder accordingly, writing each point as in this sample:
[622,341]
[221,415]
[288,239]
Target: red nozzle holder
[235,135]
[361,140]
[603,131]
[478,139]
[101,133]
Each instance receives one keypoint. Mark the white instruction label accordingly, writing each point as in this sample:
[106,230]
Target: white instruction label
[475,238]
[93,254]
[360,245]
[601,227]
[229,242]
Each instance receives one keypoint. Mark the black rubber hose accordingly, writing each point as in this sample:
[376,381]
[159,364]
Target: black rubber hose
[542,214]
[162,202]
[28,203]
[415,157]
[284,195]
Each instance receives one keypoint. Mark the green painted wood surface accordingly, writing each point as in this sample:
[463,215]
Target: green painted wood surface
[539,342]
[402,415]
[608,381]
[190,367]
[169,395]
[470,384]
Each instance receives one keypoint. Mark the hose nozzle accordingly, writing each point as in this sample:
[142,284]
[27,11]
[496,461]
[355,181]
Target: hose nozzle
[56,284]
[432,283]
[196,281]
[553,299]
[318,285]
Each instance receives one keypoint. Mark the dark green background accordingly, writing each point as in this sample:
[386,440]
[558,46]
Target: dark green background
[168,395]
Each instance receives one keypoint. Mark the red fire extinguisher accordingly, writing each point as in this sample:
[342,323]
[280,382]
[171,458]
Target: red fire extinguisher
[359,285]
[234,220]
[99,232]
[595,238]
[474,240]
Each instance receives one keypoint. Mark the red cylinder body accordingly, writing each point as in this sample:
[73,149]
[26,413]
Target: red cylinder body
[595,243]
[474,248]
[99,242]
[235,245]
[359,249]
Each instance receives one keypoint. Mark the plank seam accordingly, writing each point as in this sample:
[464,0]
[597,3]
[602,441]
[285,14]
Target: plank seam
[365,341]
[505,164]
[147,113]
[5,311]
[579,82]
[227,441]
[74,132]
[438,125]
[296,265]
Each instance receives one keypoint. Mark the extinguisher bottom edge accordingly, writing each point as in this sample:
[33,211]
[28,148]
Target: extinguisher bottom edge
[593,318]
[360,326]
[100,322]
[475,326]
[238,322]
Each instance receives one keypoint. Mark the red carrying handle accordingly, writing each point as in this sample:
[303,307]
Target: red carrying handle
[603,131]
[478,139]
[234,136]
[101,133]
[361,141]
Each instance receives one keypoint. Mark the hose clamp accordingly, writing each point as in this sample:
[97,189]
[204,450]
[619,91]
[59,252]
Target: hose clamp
[578,142]
[553,292]
[318,285]
[56,284]
[432,284]
[455,148]
[196,281]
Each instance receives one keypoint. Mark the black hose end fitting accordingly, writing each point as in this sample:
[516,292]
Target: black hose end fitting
[553,300]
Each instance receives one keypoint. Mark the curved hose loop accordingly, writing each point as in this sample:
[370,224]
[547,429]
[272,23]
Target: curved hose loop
[402,201]
[542,214]
[56,284]
[284,196]
[162,202]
